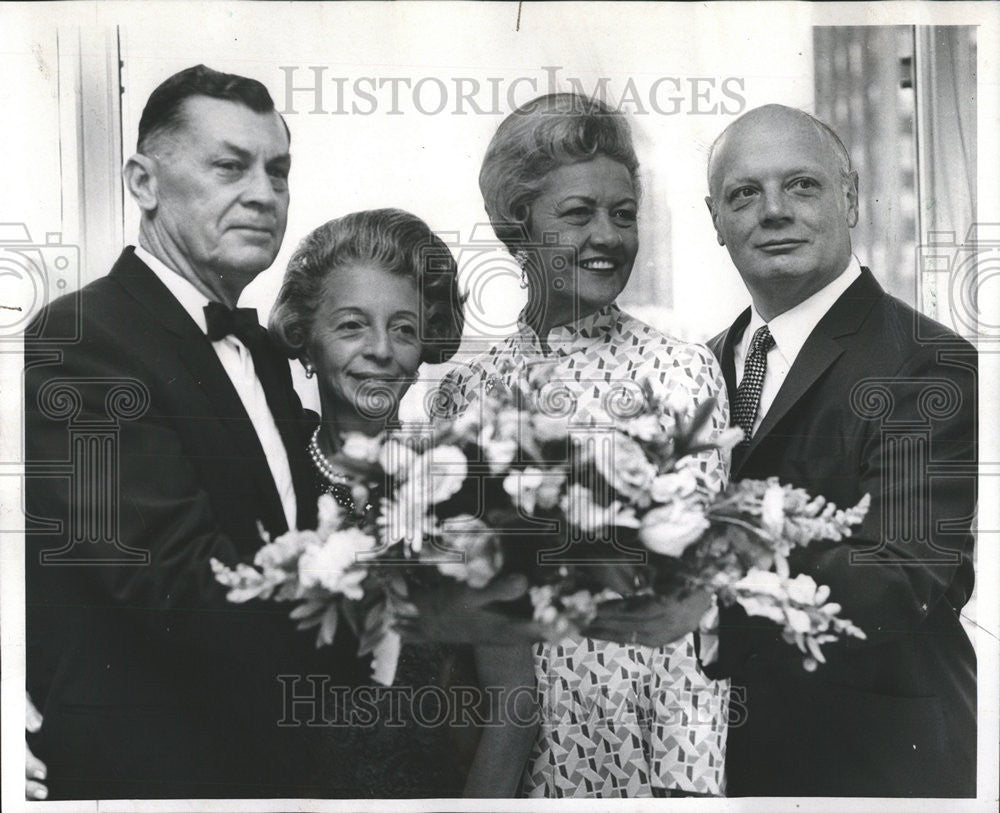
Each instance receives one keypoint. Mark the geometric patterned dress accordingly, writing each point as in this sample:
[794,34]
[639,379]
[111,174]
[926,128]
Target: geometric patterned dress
[617,720]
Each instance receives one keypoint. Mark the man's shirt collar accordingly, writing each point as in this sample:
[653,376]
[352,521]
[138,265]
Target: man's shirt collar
[190,298]
[791,328]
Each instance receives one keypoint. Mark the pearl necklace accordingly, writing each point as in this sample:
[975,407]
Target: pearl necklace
[323,465]
[339,482]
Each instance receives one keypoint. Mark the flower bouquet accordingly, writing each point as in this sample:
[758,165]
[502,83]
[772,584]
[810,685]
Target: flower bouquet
[587,513]
[628,509]
[329,573]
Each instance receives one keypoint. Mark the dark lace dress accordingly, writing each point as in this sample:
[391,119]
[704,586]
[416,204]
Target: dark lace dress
[414,739]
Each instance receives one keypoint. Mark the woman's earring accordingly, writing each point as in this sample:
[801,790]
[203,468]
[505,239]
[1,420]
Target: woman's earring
[521,258]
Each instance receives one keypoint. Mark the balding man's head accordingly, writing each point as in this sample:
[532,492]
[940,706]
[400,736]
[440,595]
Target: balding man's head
[775,114]
[783,200]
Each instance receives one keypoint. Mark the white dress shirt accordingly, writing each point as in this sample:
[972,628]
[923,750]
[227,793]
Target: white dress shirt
[790,331]
[238,364]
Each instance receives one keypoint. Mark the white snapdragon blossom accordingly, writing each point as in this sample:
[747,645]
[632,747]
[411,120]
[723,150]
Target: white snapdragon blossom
[480,548]
[802,589]
[450,468]
[426,480]
[761,581]
[772,510]
[669,529]
[244,582]
[283,551]
[466,424]
[333,564]
[626,518]
[763,607]
[798,620]
[727,439]
[499,454]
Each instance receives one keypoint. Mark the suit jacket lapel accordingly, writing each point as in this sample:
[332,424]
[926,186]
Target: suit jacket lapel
[202,363]
[818,353]
[722,346]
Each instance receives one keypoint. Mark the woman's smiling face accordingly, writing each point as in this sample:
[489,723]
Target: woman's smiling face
[584,235]
[365,342]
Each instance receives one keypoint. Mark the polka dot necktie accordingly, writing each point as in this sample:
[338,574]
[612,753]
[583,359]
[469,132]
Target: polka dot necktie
[748,393]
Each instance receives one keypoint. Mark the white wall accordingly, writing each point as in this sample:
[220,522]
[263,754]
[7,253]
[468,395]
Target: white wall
[428,163]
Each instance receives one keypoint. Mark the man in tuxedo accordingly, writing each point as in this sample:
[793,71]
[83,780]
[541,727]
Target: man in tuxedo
[844,390]
[149,682]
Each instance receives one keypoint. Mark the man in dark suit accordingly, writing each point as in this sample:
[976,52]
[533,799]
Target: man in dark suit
[182,428]
[844,390]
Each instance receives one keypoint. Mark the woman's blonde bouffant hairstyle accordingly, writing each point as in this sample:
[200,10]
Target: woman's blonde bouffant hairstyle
[540,136]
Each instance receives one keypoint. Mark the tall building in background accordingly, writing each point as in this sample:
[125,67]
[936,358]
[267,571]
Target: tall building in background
[864,90]
[903,99]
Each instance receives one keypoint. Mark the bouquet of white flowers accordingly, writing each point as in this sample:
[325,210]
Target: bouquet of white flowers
[626,511]
[587,514]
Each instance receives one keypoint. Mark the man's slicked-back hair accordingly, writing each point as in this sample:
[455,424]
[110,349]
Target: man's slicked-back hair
[164,109]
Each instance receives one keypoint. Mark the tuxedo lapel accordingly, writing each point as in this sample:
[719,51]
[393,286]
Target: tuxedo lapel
[820,350]
[226,407]
[288,416]
[207,376]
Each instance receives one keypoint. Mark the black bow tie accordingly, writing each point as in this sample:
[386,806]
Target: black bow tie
[239,322]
